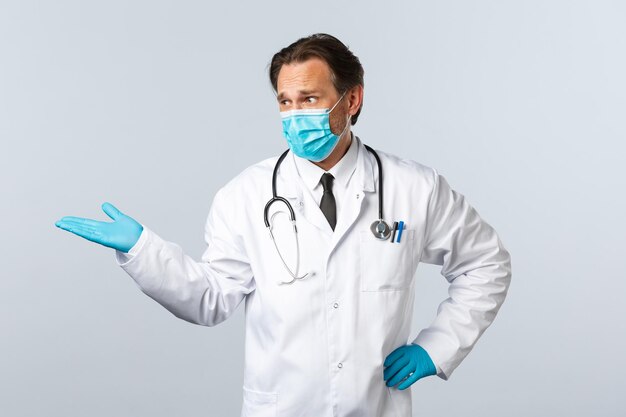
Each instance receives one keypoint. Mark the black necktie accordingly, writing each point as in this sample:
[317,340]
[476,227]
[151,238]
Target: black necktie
[327,204]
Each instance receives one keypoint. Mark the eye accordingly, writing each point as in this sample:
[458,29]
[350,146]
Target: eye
[311,99]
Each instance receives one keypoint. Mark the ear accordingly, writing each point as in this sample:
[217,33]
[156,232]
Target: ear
[355,99]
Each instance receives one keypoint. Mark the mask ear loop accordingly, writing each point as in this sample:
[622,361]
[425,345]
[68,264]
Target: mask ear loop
[340,98]
[347,124]
[349,115]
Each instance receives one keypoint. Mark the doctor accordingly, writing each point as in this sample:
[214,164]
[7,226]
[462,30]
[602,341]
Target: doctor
[322,243]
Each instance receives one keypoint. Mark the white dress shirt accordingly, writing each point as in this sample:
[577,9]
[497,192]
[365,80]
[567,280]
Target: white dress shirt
[311,175]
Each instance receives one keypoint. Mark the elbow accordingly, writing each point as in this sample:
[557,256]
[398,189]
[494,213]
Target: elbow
[506,268]
[217,306]
[499,266]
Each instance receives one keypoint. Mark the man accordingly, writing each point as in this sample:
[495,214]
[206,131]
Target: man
[329,303]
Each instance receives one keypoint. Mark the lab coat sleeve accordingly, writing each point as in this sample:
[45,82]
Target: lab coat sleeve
[477,267]
[205,292]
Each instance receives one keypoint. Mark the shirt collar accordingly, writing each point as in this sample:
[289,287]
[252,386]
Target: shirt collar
[289,178]
[342,170]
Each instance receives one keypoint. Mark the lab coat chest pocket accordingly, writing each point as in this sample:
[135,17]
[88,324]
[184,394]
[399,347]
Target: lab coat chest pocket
[386,266]
[259,403]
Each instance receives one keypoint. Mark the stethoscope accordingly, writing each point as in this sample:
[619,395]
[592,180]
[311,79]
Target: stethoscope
[379,228]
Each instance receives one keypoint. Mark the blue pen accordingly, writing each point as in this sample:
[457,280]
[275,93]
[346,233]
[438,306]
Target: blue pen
[400,229]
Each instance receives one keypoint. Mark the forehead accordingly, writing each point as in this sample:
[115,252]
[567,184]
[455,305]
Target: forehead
[314,73]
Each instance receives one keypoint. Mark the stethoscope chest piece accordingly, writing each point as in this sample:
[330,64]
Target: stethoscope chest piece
[380,229]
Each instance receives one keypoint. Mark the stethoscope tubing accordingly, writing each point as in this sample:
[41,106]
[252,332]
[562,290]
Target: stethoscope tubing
[292,215]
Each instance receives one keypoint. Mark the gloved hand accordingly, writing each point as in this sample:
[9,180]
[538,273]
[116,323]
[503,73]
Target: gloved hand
[405,360]
[122,234]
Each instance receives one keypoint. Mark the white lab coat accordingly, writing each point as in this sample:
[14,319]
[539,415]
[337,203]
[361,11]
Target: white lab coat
[316,347]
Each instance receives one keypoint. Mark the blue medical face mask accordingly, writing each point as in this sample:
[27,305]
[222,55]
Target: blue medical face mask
[308,132]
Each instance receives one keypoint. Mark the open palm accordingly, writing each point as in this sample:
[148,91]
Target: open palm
[121,234]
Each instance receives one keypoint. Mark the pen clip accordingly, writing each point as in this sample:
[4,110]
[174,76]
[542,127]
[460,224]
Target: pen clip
[393,231]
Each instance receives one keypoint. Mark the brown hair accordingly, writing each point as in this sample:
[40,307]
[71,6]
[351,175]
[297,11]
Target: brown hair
[346,70]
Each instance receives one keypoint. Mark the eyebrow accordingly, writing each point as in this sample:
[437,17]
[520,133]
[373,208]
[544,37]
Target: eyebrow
[302,92]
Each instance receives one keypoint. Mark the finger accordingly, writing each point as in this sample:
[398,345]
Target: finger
[79,225]
[409,381]
[395,367]
[81,220]
[390,363]
[391,358]
[402,373]
[91,235]
[111,211]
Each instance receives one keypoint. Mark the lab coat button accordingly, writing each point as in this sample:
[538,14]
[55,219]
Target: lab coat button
[336,305]
[301,203]
[339,365]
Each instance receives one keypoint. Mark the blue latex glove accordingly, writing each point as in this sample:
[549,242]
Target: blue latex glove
[405,360]
[121,234]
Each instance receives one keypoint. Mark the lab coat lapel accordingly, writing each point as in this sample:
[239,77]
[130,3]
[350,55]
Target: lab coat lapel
[362,183]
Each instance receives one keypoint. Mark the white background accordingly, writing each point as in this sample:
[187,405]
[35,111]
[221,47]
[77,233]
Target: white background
[153,105]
